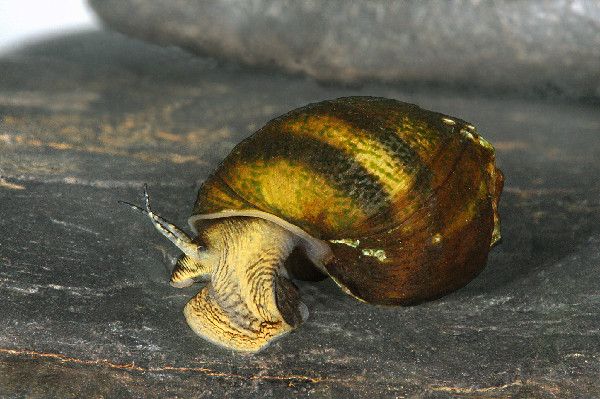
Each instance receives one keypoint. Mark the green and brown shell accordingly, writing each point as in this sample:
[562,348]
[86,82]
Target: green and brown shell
[407,198]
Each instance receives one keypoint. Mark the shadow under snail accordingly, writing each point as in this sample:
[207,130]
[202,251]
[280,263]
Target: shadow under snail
[395,203]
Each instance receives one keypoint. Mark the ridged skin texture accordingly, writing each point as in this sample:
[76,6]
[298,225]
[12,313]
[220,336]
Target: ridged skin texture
[407,198]
[247,303]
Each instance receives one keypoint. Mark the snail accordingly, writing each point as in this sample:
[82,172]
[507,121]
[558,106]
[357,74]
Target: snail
[395,203]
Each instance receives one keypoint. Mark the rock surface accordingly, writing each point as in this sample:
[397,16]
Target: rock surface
[86,309]
[539,47]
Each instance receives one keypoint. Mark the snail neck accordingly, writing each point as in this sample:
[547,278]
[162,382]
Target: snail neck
[250,299]
[316,250]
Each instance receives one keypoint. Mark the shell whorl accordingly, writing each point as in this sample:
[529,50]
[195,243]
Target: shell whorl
[407,198]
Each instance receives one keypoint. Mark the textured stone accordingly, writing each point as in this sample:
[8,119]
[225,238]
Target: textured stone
[539,47]
[86,309]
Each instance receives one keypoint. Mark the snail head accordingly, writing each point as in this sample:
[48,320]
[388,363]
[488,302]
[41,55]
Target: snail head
[250,299]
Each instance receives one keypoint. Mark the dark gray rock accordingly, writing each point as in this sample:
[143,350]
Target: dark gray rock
[86,309]
[539,47]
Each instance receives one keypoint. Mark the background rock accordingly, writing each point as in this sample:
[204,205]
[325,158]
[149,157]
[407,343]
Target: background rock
[539,47]
[86,308]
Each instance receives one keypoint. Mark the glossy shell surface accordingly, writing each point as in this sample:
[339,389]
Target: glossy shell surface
[407,198]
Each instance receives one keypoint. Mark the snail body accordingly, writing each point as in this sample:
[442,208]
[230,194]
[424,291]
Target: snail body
[396,203]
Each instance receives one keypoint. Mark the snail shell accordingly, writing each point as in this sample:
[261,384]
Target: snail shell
[396,203]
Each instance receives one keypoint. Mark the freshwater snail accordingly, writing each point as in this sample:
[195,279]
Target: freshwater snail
[396,203]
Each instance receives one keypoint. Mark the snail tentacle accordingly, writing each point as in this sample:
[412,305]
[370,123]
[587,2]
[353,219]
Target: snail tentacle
[173,233]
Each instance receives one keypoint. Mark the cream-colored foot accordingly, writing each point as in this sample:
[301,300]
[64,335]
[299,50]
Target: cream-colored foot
[249,301]
[233,330]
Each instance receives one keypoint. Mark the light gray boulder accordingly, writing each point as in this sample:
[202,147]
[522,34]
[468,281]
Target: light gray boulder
[546,47]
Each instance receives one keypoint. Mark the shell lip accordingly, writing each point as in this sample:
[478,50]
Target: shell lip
[318,251]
